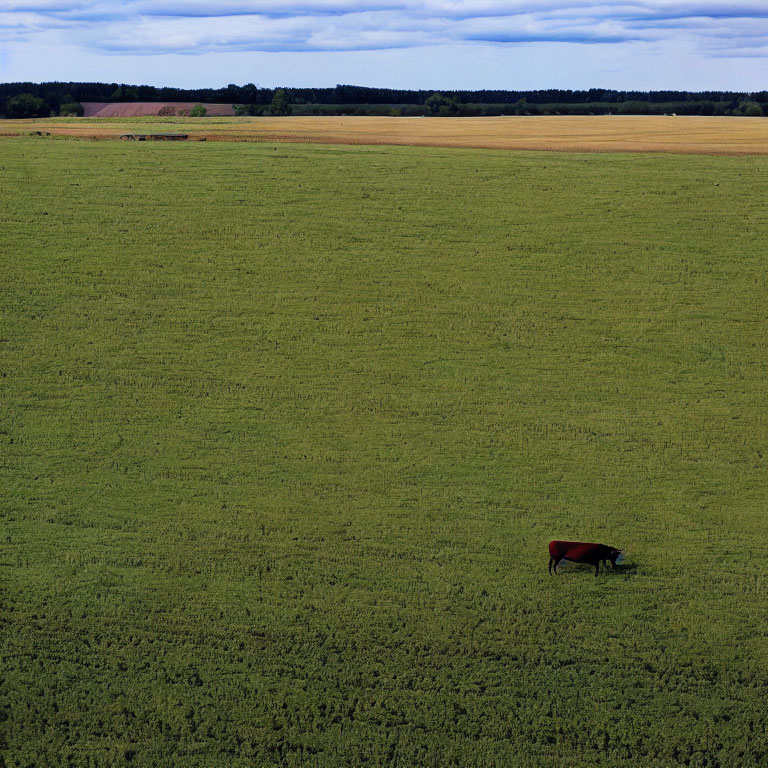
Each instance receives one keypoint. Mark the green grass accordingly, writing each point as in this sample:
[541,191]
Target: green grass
[286,431]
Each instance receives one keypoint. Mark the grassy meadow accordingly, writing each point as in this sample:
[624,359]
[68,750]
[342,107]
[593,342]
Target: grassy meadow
[285,431]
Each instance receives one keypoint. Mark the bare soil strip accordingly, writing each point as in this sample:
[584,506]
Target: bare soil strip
[702,135]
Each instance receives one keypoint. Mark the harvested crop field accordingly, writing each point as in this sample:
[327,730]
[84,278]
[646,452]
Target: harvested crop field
[151,109]
[698,135]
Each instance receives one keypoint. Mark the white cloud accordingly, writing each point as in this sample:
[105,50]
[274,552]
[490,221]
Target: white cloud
[195,26]
[707,30]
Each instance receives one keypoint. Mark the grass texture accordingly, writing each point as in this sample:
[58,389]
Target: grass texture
[286,431]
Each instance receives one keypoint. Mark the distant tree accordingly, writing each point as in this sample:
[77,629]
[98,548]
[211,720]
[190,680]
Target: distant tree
[440,105]
[26,105]
[280,105]
[146,93]
[249,93]
[70,108]
[232,93]
[198,111]
[124,93]
[749,109]
[243,110]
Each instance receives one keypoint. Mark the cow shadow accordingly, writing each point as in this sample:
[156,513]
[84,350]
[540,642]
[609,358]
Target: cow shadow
[627,569]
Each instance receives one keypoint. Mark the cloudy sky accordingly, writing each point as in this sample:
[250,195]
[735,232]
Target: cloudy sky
[625,44]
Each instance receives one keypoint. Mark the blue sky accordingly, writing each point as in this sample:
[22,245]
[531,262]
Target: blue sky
[631,44]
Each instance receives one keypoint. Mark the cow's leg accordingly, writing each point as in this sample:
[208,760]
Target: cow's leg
[557,561]
[597,567]
[550,565]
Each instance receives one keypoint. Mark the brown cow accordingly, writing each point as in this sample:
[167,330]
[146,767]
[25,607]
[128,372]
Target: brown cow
[582,552]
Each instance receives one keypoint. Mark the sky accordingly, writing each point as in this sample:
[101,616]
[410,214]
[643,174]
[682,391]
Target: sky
[416,44]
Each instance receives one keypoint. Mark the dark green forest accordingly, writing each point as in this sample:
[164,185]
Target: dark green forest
[359,100]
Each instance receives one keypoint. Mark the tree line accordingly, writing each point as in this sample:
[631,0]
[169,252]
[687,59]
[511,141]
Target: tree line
[43,99]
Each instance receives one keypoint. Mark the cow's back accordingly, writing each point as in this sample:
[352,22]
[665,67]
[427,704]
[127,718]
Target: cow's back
[583,552]
[557,549]
[580,551]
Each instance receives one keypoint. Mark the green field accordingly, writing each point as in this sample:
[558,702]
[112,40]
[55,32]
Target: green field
[285,431]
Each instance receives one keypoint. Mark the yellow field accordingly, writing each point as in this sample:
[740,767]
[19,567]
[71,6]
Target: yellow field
[707,135]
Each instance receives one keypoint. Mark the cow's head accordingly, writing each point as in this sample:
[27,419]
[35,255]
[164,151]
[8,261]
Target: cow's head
[617,555]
